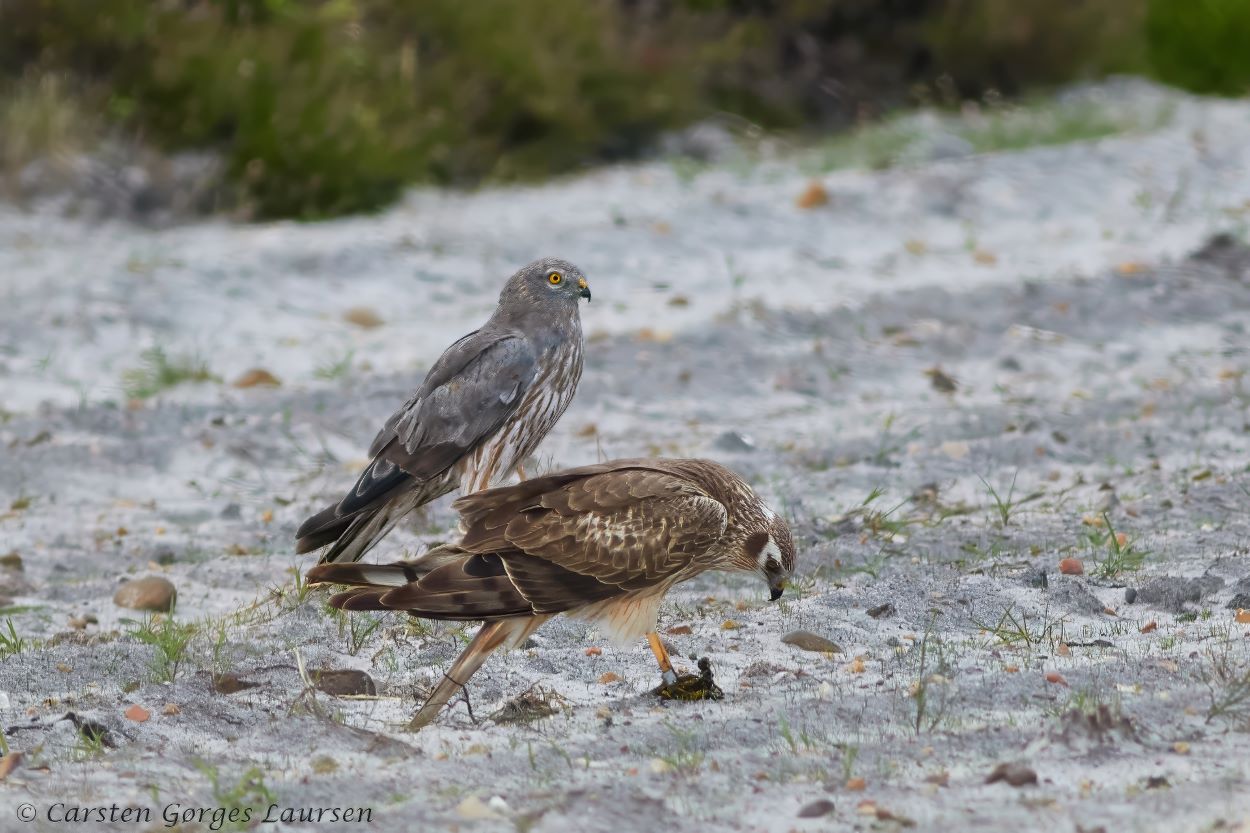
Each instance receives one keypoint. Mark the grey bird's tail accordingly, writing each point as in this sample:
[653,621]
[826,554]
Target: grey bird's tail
[352,534]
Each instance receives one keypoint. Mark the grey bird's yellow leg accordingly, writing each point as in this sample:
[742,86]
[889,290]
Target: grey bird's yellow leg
[687,686]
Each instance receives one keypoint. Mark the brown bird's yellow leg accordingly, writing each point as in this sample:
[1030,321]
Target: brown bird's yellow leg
[509,632]
[687,686]
[661,656]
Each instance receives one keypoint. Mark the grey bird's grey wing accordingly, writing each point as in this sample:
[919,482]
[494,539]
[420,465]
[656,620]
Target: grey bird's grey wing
[454,359]
[465,398]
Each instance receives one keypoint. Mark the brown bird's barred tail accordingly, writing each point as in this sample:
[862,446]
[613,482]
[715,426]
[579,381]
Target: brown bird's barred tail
[501,632]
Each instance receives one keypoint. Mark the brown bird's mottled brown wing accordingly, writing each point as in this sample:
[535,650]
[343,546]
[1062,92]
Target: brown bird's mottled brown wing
[555,543]
[630,524]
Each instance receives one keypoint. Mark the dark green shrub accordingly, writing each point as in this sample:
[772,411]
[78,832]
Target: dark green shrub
[1014,45]
[325,108]
[1202,45]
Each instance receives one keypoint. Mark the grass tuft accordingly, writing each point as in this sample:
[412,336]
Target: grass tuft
[10,643]
[170,640]
[160,372]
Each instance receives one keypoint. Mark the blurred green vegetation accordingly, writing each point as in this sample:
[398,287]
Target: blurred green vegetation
[325,107]
[1201,45]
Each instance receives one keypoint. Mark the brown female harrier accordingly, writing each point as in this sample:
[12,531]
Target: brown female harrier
[602,543]
[483,408]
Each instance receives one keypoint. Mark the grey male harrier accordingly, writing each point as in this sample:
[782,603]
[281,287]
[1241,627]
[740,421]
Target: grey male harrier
[483,408]
[602,543]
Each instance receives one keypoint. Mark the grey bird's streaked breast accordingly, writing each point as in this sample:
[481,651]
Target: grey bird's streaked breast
[545,402]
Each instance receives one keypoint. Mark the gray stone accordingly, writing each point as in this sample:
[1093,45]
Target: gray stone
[1172,594]
[808,641]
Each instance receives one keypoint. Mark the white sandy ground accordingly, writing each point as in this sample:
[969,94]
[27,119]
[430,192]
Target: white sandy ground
[1099,367]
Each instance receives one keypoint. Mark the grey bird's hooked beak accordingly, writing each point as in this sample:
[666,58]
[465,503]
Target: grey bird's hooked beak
[584,287]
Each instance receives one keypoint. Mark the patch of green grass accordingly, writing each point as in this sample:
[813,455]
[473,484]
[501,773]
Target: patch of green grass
[932,671]
[335,368]
[322,109]
[803,741]
[1004,506]
[170,640]
[90,743]
[1200,44]
[361,627]
[239,804]
[873,146]
[1228,684]
[849,754]
[1015,629]
[1122,554]
[10,643]
[160,372]
[42,117]
[1016,128]
[684,756]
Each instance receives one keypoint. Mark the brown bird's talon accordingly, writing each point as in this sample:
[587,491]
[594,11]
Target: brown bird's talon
[690,687]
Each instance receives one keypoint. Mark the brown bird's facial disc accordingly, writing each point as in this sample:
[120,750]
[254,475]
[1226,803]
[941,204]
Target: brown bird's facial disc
[767,555]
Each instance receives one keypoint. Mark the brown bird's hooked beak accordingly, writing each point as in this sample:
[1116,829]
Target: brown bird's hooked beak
[775,590]
[584,287]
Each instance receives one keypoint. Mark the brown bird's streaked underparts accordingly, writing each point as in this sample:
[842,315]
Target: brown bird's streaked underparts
[602,543]
[483,408]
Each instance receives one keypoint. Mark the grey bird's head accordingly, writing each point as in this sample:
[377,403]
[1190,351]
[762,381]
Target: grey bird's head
[771,551]
[549,283]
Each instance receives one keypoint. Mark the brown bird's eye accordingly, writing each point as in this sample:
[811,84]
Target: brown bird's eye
[771,565]
[554,278]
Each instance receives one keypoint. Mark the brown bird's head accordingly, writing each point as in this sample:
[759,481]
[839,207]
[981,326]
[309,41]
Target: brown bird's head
[770,551]
[550,282]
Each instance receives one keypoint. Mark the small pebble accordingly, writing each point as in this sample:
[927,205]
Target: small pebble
[733,441]
[808,641]
[818,808]
[1017,775]
[363,317]
[150,593]
[343,683]
[257,377]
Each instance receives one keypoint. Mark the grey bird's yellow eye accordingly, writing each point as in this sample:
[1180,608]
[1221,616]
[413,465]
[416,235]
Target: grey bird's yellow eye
[554,278]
